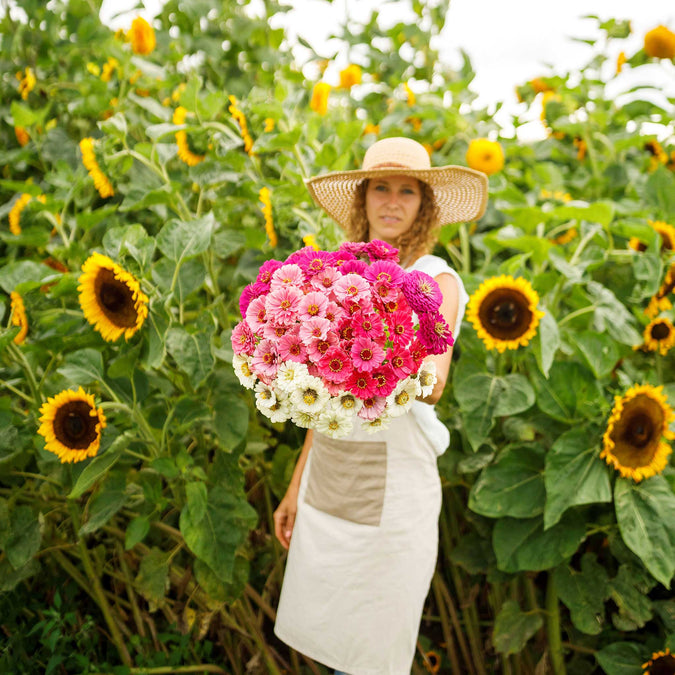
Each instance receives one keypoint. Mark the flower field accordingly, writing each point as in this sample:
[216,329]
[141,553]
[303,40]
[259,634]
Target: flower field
[146,177]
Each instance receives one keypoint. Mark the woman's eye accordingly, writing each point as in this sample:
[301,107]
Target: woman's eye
[381,188]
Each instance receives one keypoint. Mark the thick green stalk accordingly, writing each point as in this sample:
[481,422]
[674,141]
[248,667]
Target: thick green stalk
[553,627]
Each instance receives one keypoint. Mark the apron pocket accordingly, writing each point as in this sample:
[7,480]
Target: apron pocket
[347,479]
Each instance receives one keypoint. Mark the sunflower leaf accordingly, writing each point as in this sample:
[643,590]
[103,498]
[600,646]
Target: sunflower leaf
[22,541]
[599,350]
[629,591]
[546,342]
[513,628]
[621,658]
[192,352]
[574,475]
[105,503]
[644,513]
[153,577]
[179,240]
[83,367]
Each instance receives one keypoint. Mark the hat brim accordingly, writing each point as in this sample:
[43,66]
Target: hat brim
[460,193]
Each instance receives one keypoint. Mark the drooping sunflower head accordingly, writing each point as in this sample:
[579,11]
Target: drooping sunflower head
[111,298]
[659,336]
[72,425]
[633,442]
[504,312]
[661,663]
[19,318]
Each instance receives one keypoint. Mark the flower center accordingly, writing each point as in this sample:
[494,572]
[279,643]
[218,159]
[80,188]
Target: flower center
[74,426]
[660,331]
[366,354]
[402,398]
[295,349]
[348,402]
[505,314]
[116,299]
[336,365]
[313,310]
[309,396]
[285,304]
[638,432]
[352,290]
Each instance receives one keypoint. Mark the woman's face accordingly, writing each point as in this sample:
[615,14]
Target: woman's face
[392,204]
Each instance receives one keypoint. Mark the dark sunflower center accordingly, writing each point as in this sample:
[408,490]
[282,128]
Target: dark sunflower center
[637,433]
[663,665]
[505,314]
[660,331]
[74,427]
[116,300]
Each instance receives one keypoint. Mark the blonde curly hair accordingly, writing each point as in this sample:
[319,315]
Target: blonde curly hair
[417,241]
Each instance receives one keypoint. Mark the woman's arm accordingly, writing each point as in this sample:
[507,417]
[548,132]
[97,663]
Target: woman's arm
[284,516]
[448,285]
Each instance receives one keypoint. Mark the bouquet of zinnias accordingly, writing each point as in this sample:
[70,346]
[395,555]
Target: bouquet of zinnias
[330,338]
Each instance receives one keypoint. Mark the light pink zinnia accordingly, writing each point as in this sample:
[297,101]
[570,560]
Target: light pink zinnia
[351,287]
[372,407]
[292,348]
[334,312]
[288,275]
[243,340]
[282,304]
[311,305]
[325,279]
[422,292]
[361,384]
[314,329]
[256,316]
[316,349]
[265,360]
[434,333]
[273,331]
[335,365]
[366,354]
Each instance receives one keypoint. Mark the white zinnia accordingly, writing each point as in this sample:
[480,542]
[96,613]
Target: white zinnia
[303,419]
[378,424]
[279,412]
[310,395]
[242,369]
[348,403]
[334,422]
[265,396]
[289,374]
[427,377]
[401,399]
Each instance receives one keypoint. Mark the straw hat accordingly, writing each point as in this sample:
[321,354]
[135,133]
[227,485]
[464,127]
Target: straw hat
[460,192]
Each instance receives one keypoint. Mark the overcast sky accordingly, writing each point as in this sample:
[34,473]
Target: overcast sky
[509,41]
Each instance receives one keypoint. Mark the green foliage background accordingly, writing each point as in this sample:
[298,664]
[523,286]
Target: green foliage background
[160,551]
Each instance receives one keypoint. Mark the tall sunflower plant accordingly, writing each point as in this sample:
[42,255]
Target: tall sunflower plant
[148,173]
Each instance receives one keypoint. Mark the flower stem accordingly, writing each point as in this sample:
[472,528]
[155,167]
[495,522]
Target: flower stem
[659,368]
[19,357]
[553,627]
[466,248]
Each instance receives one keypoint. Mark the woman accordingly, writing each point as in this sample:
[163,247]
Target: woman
[360,516]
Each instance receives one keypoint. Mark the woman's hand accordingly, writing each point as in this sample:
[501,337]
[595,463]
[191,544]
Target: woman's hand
[284,516]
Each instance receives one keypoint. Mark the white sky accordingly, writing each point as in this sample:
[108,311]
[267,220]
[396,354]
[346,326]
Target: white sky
[508,41]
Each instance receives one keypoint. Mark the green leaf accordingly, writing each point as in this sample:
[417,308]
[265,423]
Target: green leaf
[621,658]
[474,553]
[180,240]
[644,513]
[611,315]
[105,503]
[197,497]
[512,486]
[546,342]
[23,539]
[599,350]
[524,545]
[513,628]
[83,367]
[222,591]
[660,191]
[136,531]
[25,275]
[629,591]
[192,352]
[214,538]
[115,126]
[584,593]
[598,212]
[574,474]
[154,347]
[23,116]
[231,420]
[152,581]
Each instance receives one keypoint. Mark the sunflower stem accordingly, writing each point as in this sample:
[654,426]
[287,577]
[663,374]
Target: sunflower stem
[659,367]
[466,248]
[19,356]
[18,392]
[553,627]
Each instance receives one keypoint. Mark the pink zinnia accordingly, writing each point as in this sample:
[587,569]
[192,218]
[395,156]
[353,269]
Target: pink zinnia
[361,384]
[282,304]
[393,304]
[288,275]
[291,348]
[311,305]
[266,270]
[368,325]
[366,354]
[400,327]
[256,316]
[434,333]
[334,312]
[372,407]
[325,279]
[345,329]
[314,329]
[265,360]
[356,248]
[317,348]
[250,292]
[351,287]
[243,340]
[386,379]
[401,362]
[418,352]
[422,292]
[335,365]
[273,331]
[354,267]
[314,262]
[380,250]
[384,272]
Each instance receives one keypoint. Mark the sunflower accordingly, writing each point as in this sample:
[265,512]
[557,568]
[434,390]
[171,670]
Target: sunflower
[484,155]
[620,61]
[240,118]
[27,82]
[15,213]
[633,441]
[19,318]
[101,182]
[266,201]
[22,136]
[504,312]
[350,76]
[659,336]
[72,425]
[184,152]
[319,101]
[660,302]
[660,43]
[111,298]
[142,36]
[661,663]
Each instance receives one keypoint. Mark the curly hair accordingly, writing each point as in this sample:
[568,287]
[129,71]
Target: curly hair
[417,241]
